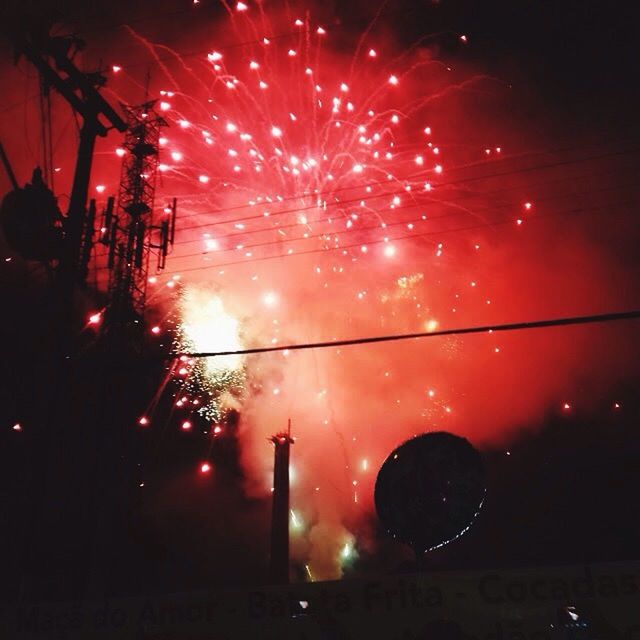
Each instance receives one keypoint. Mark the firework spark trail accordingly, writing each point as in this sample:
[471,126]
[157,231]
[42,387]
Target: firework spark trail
[258,146]
[309,144]
[151,48]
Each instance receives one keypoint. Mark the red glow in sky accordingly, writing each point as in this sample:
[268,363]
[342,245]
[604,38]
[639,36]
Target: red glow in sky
[328,195]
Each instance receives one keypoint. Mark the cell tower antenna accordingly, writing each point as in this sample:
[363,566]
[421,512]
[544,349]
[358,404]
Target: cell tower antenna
[131,232]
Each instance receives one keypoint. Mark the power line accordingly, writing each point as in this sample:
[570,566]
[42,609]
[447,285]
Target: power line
[344,248]
[443,202]
[494,328]
[448,201]
[376,227]
[402,191]
[411,205]
[300,196]
[493,161]
[357,245]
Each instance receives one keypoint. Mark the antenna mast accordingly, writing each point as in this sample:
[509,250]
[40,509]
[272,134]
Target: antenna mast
[130,233]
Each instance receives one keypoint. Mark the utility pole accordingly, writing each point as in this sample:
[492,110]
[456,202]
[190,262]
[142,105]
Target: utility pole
[279,560]
[52,57]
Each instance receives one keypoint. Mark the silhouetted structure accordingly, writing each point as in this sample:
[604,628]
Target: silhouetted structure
[279,560]
[53,58]
[31,220]
[130,233]
[430,490]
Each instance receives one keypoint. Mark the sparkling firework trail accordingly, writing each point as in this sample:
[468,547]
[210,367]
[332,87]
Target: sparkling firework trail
[322,157]
[288,155]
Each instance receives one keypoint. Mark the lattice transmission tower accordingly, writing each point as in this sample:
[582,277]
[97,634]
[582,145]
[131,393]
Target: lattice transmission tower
[131,233]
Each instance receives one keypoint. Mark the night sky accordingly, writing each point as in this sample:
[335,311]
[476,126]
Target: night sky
[95,503]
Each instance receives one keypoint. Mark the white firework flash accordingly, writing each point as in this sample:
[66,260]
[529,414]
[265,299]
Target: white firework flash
[206,326]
